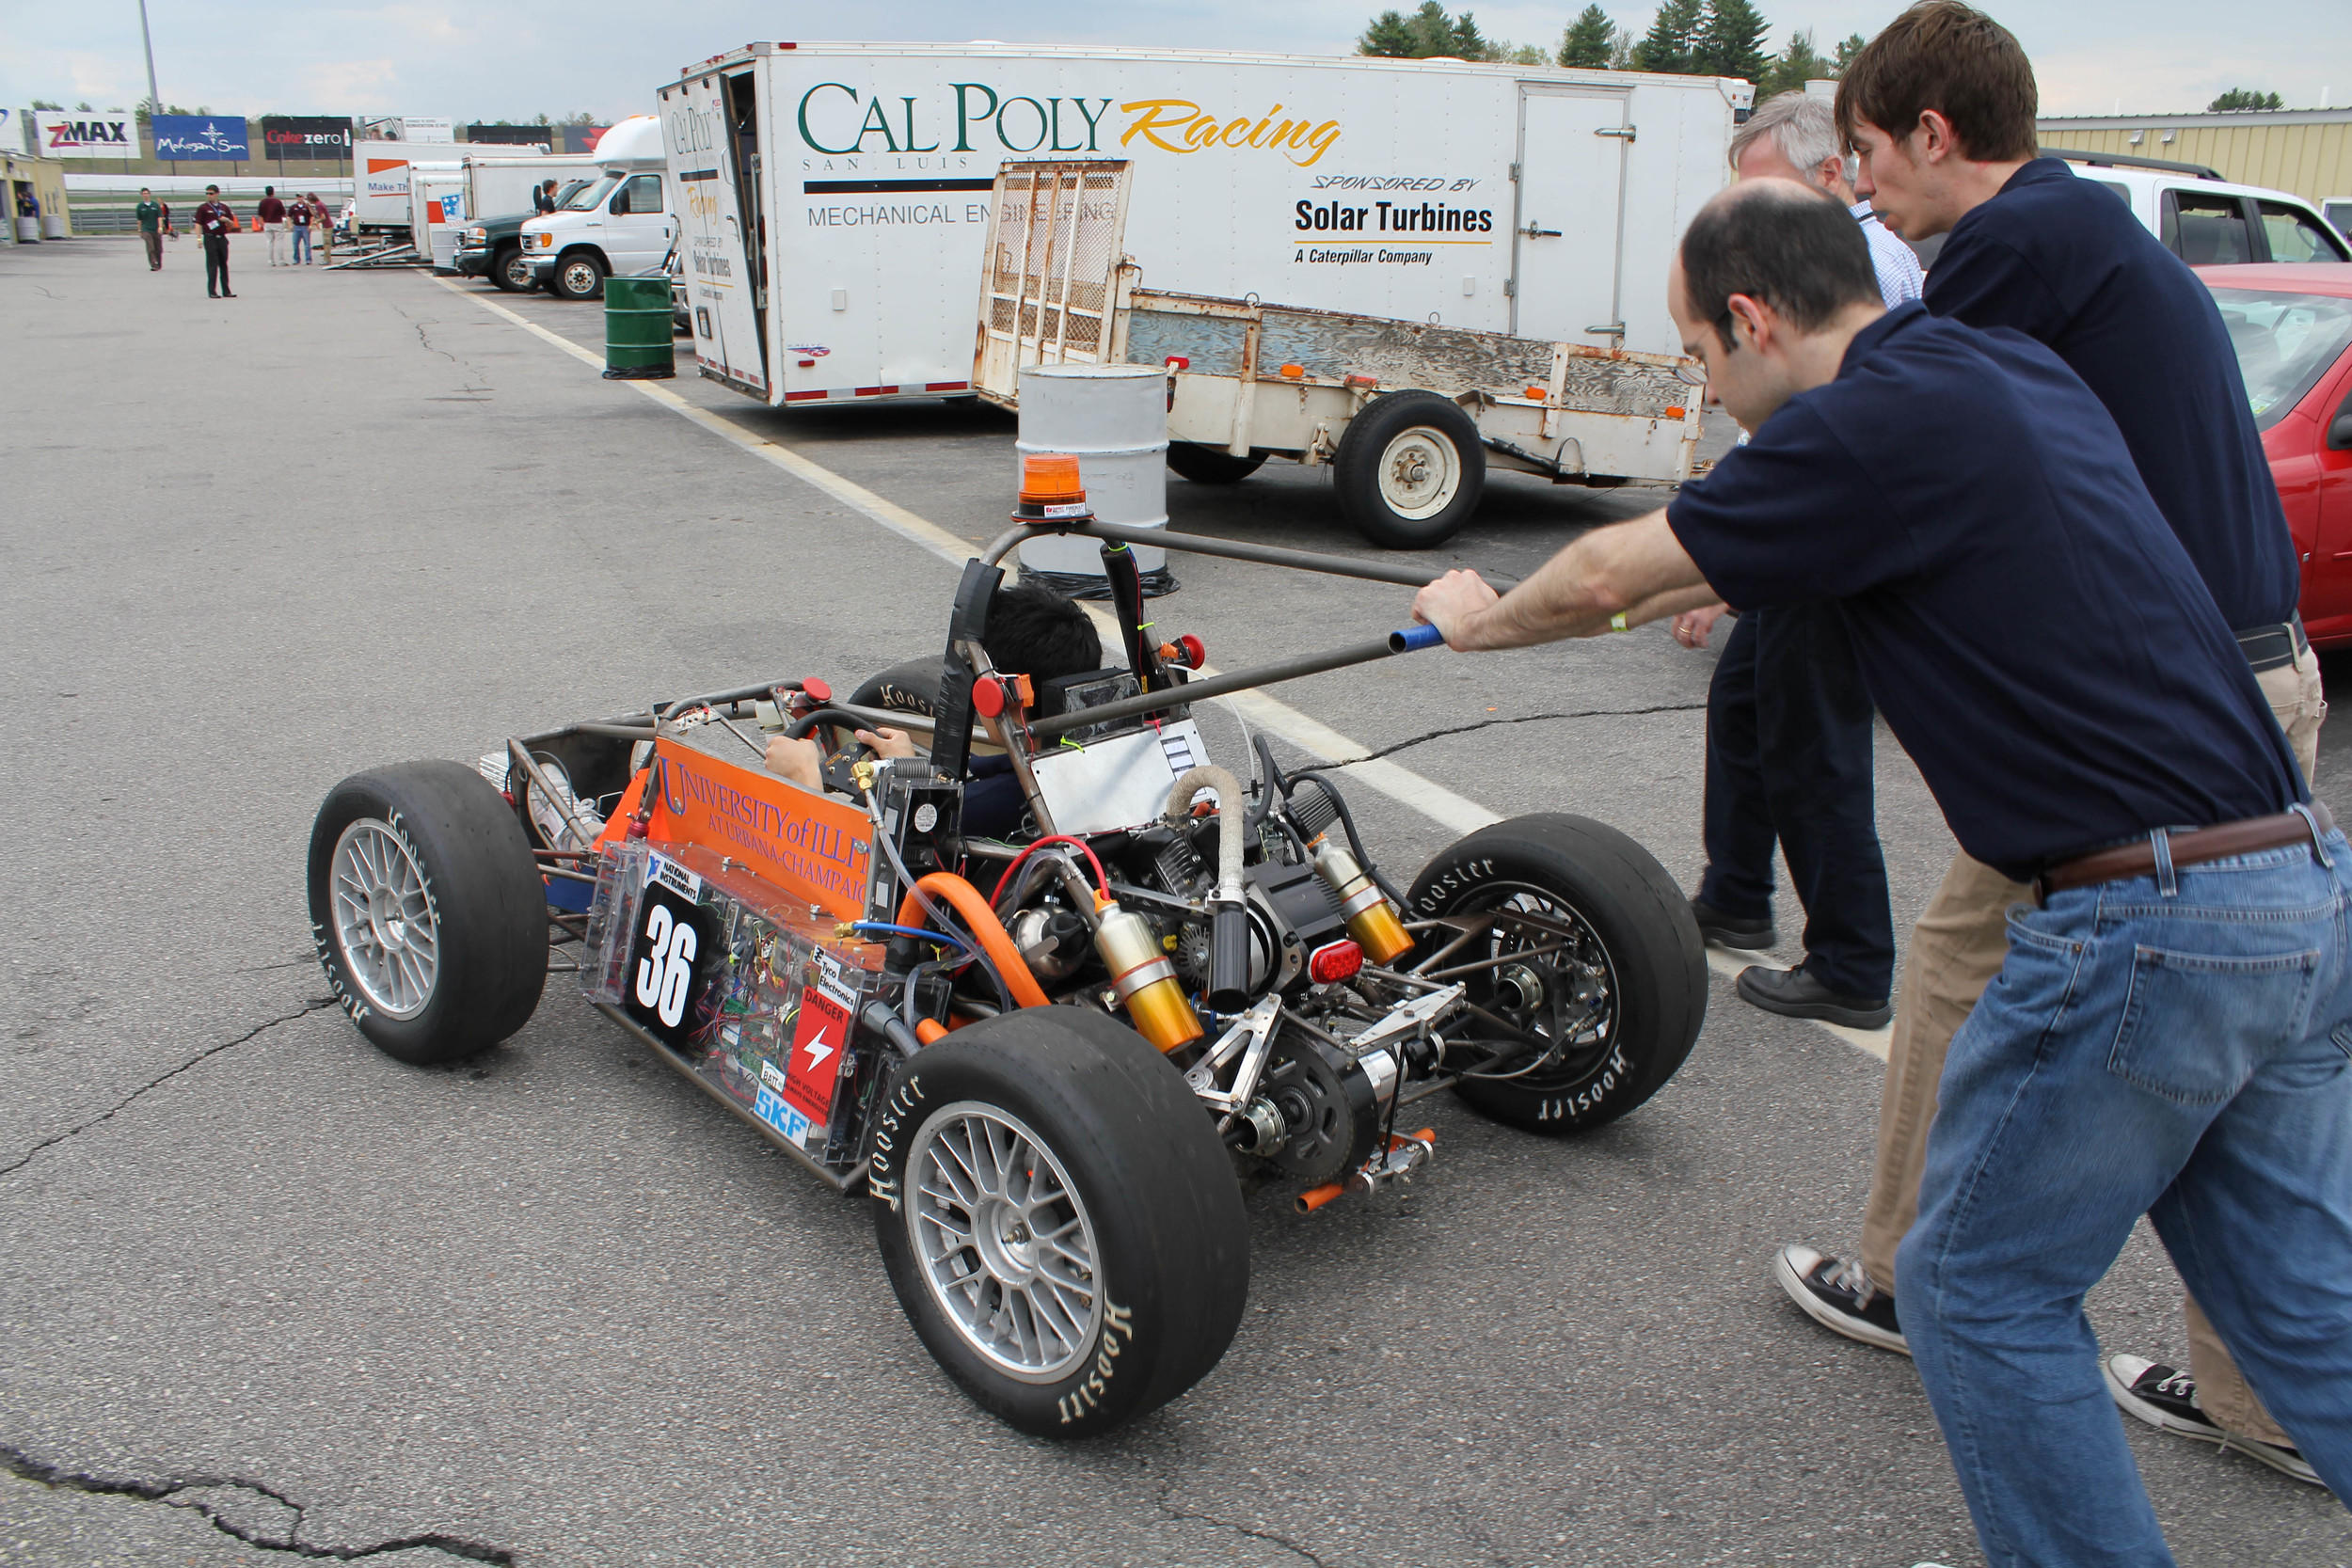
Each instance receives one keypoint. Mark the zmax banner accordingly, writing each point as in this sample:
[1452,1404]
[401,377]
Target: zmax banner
[85,135]
[215,139]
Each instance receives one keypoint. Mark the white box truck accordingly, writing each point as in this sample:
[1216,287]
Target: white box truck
[835,194]
[436,209]
[622,222]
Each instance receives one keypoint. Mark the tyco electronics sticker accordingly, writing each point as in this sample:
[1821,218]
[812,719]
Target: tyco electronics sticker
[817,1043]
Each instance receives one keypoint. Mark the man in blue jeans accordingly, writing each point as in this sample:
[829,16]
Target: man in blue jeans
[2170,1033]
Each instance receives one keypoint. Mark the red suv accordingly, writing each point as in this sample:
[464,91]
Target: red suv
[2293,328]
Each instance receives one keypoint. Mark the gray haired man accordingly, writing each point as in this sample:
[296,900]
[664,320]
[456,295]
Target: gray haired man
[1789,718]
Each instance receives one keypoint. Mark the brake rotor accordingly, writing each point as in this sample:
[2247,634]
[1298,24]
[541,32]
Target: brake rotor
[1331,1113]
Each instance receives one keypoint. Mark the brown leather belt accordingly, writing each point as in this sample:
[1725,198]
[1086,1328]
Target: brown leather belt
[2194,848]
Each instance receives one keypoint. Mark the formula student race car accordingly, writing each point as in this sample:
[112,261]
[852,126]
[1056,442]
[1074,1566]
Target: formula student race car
[1046,1057]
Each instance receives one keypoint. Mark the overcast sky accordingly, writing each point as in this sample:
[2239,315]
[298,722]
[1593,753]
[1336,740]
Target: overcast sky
[486,59]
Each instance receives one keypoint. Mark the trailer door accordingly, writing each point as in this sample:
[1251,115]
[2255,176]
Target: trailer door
[719,224]
[1567,255]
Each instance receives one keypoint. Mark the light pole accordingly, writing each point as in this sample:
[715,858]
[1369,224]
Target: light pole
[155,99]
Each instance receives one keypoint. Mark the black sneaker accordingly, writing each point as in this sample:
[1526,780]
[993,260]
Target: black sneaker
[2166,1398]
[1795,993]
[1733,930]
[1840,1297]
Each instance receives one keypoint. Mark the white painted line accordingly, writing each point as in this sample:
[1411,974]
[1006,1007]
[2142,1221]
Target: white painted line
[1401,784]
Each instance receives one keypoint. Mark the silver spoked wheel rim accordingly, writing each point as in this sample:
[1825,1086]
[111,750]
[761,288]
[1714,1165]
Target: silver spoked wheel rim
[1420,473]
[384,924]
[579,277]
[1004,1242]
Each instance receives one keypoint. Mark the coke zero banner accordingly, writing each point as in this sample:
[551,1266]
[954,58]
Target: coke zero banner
[305,136]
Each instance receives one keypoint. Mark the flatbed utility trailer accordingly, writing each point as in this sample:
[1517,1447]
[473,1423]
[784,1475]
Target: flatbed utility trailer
[1407,415]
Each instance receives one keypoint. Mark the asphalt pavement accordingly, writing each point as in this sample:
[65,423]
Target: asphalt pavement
[264,1290]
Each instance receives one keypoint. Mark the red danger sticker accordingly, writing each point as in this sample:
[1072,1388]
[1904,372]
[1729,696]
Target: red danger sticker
[816,1041]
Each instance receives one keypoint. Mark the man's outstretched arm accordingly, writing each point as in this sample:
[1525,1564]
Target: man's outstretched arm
[1638,570]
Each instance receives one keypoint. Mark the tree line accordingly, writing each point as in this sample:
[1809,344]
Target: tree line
[1686,38]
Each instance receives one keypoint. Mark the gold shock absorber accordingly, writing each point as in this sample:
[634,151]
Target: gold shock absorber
[1145,979]
[1370,919]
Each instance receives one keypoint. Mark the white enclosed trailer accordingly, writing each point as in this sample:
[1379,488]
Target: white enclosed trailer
[835,194]
[500,185]
[436,209]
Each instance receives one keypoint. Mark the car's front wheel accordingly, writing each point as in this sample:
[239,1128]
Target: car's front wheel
[1059,1220]
[577,276]
[511,271]
[428,911]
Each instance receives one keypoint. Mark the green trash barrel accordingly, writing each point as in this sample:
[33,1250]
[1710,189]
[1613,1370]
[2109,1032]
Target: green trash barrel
[637,329]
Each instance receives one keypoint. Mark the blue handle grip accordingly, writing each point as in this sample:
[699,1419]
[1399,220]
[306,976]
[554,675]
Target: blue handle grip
[1414,638]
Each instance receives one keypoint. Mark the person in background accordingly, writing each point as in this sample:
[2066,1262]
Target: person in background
[272,212]
[1940,107]
[154,223]
[298,214]
[325,236]
[1789,718]
[215,222]
[544,198]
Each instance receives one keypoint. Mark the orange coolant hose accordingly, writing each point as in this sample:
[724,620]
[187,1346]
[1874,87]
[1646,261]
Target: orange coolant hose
[986,929]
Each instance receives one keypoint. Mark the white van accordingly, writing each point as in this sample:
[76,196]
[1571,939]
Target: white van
[2205,219]
[623,222]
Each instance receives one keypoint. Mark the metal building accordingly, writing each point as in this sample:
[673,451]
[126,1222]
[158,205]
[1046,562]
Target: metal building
[2307,151]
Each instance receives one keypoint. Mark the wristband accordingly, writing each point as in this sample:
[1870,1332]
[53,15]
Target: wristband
[1616,622]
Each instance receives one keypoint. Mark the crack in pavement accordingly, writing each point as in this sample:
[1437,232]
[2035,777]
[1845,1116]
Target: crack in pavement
[18,1463]
[1525,719]
[1169,1508]
[473,371]
[314,1004]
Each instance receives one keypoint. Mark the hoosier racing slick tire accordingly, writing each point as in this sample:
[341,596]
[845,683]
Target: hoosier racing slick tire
[428,913]
[1059,1220]
[1620,1000]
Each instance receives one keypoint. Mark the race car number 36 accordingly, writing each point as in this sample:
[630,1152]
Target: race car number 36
[667,971]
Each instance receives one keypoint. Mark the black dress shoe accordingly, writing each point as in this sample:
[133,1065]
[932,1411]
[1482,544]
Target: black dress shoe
[1733,930]
[1795,993]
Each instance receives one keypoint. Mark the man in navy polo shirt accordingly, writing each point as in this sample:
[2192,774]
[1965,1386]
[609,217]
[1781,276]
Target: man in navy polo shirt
[2160,1039]
[1941,107]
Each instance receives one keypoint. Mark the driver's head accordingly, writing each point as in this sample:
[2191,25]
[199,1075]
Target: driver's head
[1036,632]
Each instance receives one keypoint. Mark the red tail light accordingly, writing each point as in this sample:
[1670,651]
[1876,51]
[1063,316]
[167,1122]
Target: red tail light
[1334,961]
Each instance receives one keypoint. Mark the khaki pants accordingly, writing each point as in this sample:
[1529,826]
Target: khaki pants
[277,243]
[1956,950]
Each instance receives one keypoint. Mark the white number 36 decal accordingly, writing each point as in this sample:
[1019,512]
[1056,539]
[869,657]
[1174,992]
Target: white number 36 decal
[664,973]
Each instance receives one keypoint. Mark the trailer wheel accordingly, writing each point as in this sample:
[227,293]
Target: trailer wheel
[510,269]
[1059,1220]
[427,911]
[1409,471]
[1209,466]
[578,275]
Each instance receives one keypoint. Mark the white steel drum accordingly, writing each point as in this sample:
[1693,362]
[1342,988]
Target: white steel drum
[1114,420]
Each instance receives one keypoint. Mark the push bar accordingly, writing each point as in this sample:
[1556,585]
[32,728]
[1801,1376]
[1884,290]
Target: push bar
[1239,680]
[1195,543]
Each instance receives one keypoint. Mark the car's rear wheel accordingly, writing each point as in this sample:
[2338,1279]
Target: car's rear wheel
[1059,1220]
[1580,955]
[427,909]
[510,269]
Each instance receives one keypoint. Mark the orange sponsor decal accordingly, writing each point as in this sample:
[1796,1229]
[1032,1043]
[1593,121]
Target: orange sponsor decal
[811,846]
